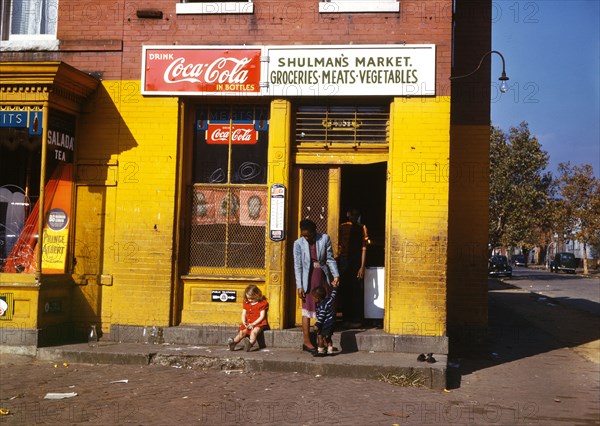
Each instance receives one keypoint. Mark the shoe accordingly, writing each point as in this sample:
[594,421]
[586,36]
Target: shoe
[319,354]
[231,344]
[330,351]
[247,344]
[307,349]
[421,358]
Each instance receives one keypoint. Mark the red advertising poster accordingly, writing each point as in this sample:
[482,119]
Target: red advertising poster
[241,134]
[195,71]
[253,207]
[204,206]
[216,206]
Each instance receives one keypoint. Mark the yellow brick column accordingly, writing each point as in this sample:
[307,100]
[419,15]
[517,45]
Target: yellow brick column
[279,173]
[417,217]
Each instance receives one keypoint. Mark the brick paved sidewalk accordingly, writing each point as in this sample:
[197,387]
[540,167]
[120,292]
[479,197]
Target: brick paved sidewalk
[530,377]
[552,388]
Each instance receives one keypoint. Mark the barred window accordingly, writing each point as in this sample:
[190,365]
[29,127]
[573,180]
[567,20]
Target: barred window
[229,197]
[353,125]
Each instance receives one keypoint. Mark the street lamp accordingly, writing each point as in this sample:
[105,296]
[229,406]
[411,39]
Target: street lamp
[503,78]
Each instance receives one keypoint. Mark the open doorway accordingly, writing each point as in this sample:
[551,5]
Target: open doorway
[363,187]
[324,195]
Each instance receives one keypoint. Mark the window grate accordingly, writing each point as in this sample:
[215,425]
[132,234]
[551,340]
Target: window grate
[228,228]
[340,124]
[315,197]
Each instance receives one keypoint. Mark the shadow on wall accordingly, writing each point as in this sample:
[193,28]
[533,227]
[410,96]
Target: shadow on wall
[102,136]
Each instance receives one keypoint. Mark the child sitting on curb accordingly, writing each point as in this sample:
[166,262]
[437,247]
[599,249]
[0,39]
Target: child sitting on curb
[254,318]
[325,320]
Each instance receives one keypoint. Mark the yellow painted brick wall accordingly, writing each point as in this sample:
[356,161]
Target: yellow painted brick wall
[417,217]
[25,294]
[131,143]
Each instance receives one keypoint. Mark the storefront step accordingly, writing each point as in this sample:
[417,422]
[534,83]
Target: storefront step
[367,339]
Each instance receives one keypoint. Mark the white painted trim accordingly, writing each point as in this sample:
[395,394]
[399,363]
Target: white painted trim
[214,8]
[357,6]
[28,44]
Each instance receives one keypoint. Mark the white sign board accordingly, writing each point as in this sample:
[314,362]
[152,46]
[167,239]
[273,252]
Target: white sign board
[346,70]
[374,288]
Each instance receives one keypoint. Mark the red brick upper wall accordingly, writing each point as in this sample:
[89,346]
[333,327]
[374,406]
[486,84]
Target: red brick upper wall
[109,27]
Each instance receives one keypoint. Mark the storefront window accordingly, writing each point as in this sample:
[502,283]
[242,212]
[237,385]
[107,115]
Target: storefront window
[20,168]
[229,197]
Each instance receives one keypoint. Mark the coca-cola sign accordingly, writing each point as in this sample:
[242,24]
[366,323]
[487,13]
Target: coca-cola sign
[201,71]
[241,134]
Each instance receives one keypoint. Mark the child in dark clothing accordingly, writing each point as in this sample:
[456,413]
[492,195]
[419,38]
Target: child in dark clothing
[325,319]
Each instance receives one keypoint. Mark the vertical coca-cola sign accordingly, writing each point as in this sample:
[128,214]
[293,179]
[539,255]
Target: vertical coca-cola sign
[200,71]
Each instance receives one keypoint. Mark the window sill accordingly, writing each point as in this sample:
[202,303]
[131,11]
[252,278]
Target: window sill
[28,44]
[358,6]
[214,8]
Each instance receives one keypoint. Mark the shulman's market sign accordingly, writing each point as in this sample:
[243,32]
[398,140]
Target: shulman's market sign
[358,70]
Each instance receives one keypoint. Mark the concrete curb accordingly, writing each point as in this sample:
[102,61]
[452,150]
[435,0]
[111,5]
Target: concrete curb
[364,365]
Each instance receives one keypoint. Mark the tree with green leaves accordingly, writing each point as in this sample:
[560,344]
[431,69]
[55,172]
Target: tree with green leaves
[520,188]
[579,190]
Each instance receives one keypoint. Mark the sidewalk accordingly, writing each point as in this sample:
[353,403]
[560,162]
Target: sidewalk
[542,368]
[358,364]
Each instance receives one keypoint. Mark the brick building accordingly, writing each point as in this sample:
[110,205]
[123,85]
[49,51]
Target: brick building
[175,146]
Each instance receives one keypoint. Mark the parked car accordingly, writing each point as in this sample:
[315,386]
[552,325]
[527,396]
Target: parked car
[519,260]
[563,262]
[498,266]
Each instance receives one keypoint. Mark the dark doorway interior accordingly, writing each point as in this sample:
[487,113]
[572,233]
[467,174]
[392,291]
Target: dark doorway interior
[363,187]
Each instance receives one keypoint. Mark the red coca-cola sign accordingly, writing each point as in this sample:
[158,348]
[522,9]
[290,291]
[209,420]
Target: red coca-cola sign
[200,71]
[241,134]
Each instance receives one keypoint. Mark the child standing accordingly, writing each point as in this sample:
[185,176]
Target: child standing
[254,318]
[325,319]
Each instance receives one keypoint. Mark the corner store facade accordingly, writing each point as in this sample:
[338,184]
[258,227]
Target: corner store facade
[131,245]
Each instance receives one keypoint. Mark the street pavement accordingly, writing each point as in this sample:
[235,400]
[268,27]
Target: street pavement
[543,368]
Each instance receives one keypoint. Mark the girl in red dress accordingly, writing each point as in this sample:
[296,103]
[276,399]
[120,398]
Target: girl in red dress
[254,318]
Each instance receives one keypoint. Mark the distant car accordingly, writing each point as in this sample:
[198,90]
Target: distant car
[519,260]
[498,266]
[563,262]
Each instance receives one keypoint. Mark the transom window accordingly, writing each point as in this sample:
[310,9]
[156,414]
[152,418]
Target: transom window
[352,125]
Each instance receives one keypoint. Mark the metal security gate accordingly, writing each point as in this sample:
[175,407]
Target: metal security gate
[317,199]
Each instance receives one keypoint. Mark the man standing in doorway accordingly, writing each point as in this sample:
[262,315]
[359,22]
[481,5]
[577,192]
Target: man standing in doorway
[353,242]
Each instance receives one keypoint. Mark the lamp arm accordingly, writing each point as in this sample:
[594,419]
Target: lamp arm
[481,62]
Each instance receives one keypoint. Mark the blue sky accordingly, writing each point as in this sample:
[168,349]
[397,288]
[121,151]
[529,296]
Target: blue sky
[552,53]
